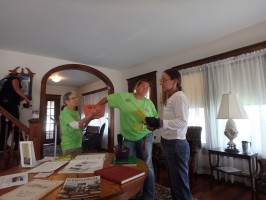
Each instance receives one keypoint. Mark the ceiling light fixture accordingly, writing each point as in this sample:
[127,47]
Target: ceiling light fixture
[56,78]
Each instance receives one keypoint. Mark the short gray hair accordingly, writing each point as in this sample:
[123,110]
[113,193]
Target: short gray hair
[66,97]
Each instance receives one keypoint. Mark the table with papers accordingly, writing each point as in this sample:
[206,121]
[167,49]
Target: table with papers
[109,189]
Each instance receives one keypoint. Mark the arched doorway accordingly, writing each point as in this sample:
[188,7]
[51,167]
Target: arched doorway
[87,69]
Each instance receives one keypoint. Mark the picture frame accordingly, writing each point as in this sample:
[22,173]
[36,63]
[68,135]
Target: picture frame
[26,80]
[27,154]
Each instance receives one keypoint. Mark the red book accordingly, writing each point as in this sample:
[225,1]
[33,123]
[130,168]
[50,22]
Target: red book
[119,173]
[88,108]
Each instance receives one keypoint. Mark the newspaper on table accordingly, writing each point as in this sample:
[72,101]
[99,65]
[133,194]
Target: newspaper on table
[33,190]
[90,156]
[13,179]
[83,166]
[48,167]
[79,188]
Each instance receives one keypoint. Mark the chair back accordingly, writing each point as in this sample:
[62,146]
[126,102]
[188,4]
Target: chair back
[194,138]
[102,131]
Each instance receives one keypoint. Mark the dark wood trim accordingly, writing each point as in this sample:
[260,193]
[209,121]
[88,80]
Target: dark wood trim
[57,100]
[88,69]
[95,91]
[236,52]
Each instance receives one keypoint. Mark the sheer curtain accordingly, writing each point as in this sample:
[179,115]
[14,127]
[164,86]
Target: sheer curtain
[93,99]
[204,86]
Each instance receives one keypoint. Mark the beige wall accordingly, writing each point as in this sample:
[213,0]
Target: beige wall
[251,35]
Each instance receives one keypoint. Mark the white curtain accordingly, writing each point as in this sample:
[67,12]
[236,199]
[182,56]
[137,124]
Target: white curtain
[93,99]
[204,86]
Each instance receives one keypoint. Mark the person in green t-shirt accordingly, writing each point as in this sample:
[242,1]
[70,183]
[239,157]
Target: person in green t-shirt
[134,108]
[71,125]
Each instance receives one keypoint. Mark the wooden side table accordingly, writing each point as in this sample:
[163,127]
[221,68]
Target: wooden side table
[252,158]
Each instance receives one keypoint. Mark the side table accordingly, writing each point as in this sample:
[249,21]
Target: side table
[252,158]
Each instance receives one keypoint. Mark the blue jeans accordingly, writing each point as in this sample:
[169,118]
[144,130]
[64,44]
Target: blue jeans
[177,155]
[142,149]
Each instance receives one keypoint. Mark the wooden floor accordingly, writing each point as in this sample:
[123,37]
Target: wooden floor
[220,191]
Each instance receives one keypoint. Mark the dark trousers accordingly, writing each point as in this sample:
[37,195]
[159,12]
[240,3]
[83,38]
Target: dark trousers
[13,110]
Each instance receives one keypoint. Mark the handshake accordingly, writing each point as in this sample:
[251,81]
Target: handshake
[153,123]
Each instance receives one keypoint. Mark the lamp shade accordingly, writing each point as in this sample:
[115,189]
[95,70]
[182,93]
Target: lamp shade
[231,108]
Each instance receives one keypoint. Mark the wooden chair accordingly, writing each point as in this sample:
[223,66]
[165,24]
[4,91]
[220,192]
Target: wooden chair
[261,178]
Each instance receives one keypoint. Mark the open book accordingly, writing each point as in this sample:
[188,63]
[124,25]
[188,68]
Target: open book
[88,108]
[79,188]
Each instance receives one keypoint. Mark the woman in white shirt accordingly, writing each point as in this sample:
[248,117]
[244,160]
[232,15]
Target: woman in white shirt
[173,134]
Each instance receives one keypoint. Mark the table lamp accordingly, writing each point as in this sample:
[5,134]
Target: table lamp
[231,108]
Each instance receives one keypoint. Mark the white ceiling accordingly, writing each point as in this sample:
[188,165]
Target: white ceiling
[73,78]
[120,34]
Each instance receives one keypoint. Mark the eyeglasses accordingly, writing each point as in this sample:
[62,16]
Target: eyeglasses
[164,80]
[74,98]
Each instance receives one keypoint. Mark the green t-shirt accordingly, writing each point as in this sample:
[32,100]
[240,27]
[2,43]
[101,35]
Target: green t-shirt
[70,138]
[132,114]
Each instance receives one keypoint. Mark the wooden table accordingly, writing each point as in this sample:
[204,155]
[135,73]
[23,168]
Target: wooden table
[252,158]
[109,189]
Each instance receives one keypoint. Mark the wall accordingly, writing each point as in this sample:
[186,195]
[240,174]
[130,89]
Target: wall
[40,65]
[248,36]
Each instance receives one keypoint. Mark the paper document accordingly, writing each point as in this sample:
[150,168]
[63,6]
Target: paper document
[83,166]
[13,179]
[48,167]
[90,156]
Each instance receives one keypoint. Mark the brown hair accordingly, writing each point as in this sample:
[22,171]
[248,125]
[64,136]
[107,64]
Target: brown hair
[174,74]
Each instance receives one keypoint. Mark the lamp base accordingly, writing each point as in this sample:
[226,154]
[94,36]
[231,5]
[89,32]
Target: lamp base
[231,149]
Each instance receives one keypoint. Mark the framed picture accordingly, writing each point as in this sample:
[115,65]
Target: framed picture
[25,85]
[26,80]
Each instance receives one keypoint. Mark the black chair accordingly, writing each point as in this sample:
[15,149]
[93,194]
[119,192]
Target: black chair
[93,141]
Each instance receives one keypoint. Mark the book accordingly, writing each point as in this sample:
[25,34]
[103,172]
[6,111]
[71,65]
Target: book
[229,169]
[89,107]
[33,190]
[131,161]
[119,173]
[78,188]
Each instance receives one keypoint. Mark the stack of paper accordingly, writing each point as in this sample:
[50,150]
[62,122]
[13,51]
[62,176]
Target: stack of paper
[85,164]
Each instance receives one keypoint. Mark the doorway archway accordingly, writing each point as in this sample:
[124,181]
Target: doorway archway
[87,69]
